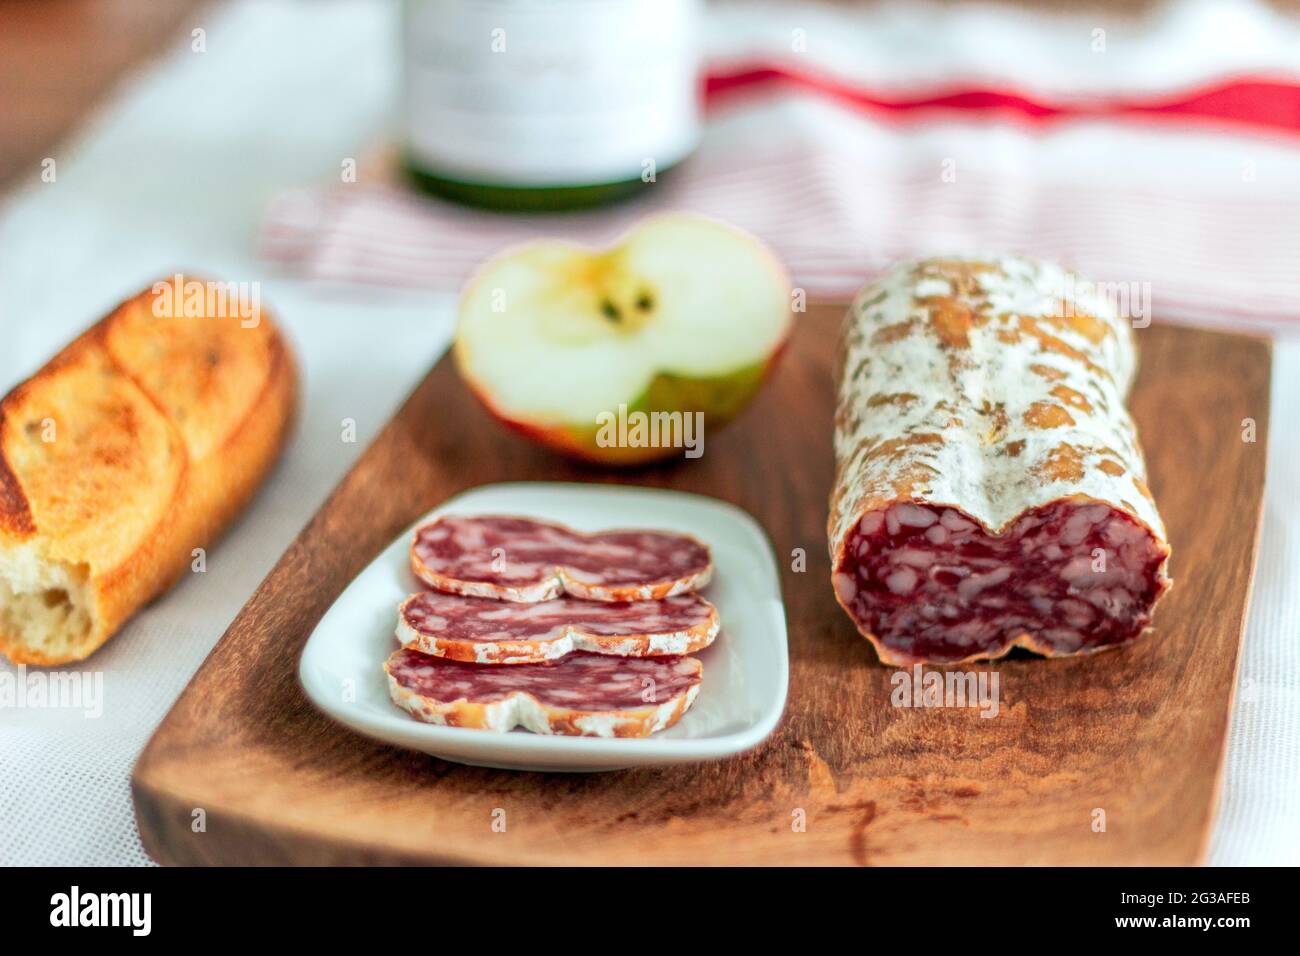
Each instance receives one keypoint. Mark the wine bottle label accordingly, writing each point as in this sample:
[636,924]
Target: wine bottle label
[557,93]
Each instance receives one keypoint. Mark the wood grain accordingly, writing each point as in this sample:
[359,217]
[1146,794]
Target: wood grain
[1137,733]
[59,58]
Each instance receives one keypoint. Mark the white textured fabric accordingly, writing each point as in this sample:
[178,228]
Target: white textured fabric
[178,169]
[174,174]
[905,45]
[876,195]
[1259,805]
[1199,212]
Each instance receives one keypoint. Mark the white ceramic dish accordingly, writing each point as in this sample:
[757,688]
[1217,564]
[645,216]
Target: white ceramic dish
[746,670]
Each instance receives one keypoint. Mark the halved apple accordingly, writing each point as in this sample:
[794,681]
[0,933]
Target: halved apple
[593,352]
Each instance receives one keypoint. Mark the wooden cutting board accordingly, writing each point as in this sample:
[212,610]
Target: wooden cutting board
[1136,734]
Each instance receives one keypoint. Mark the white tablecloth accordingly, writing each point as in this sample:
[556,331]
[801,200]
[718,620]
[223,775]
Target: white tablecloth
[176,172]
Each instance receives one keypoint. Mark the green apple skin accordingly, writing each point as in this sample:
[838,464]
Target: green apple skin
[721,398]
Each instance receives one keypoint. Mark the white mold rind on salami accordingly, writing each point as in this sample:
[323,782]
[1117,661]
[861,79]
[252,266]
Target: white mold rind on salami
[485,631]
[518,559]
[582,695]
[990,491]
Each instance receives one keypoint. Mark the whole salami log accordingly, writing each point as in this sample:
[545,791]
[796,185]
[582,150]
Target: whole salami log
[485,631]
[519,559]
[582,695]
[990,491]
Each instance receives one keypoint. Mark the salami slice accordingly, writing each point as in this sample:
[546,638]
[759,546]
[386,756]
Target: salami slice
[485,631]
[581,695]
[519,559]
[990,491]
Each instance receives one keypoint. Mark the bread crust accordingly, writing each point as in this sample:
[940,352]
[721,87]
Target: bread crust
[189,421]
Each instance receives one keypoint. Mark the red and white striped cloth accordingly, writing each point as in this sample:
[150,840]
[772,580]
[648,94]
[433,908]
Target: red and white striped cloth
[1163,151]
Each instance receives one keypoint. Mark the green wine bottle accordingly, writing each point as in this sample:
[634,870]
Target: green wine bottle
[536,107]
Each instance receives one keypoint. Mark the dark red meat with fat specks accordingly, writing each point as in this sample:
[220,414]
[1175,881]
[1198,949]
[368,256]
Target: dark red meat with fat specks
[932,585]
[519,553]
[460,618]
[589,683]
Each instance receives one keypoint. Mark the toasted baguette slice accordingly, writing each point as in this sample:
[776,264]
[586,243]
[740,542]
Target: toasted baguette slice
[135,445]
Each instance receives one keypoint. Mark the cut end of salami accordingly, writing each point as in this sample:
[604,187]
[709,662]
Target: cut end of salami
[522,560]
[581,695]
[484,631]
[928,583]
[990,490]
